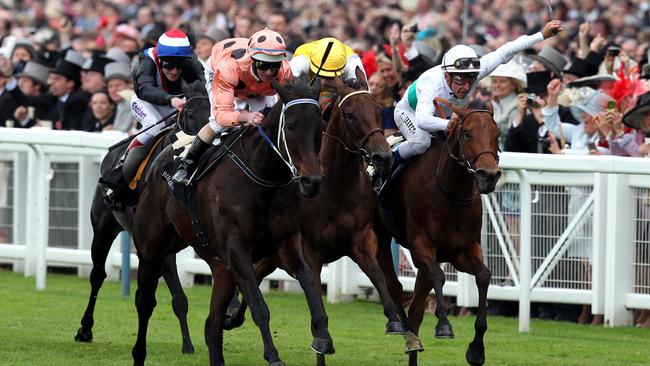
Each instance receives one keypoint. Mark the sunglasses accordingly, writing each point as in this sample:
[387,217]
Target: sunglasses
[263,66]
[462,79]
[171,65]
[467,63]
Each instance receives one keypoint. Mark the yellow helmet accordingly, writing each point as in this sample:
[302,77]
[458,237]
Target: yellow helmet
[336,59]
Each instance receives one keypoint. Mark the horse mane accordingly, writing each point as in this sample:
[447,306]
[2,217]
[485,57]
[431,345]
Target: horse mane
[476,104]
[298,88]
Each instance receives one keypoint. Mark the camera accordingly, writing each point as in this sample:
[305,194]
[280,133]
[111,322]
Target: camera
[613,51]
[414,28]
[531,101]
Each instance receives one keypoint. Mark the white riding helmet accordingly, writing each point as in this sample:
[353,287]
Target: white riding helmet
[461,59]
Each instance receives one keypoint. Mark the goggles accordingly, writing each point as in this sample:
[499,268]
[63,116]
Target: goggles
[467,63]
[171,65]
[464,78]
[263,66]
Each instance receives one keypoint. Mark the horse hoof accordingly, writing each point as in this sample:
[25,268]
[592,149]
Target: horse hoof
[475,354]
[323,346]
[230,322]
[413,343]
[444,331]
[83,335]
[395,328]
[188,348]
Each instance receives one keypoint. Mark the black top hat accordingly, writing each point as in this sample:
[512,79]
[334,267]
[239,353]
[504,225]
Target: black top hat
[581,68]
[70,70]
[537,81]
[97,64]
[634,117]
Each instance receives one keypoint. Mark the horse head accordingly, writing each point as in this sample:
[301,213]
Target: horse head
[361,122]
[473,142]
[301,124]
[197,107]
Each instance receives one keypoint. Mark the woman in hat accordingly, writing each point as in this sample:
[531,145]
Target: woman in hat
[506,82]
[157,82]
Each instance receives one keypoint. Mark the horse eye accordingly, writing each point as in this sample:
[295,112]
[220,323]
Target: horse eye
[467,135]
[350,117]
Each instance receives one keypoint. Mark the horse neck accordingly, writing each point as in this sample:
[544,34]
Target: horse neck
[259,155]
[340,165]
[456,181]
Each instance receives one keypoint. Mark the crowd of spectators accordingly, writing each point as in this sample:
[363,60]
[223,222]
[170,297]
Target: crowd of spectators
[67,64]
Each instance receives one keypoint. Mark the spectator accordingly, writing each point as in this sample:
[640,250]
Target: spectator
[103,112]
[206,41]
[118,80]
[7,99]
[507,81]
[92,74]
[32,83]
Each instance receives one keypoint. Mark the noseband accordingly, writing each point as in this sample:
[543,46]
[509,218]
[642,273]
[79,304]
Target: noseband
[358,149]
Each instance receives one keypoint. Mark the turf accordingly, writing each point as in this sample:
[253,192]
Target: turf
[37,328]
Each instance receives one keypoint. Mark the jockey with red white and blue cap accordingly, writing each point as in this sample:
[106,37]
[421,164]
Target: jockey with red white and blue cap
[157,81]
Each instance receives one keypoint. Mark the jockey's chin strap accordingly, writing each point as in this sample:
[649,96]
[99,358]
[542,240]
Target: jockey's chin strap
[282,140]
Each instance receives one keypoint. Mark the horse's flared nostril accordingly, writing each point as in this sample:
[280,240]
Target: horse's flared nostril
[382,162]
[310,185]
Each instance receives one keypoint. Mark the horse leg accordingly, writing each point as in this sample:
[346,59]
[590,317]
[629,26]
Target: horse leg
[241,268]
[423,286]
[105,230]
[179,300]
[472,263]
[223,289]
[145,301]
[364,253]
[443,328]
[236,309]
[293,260]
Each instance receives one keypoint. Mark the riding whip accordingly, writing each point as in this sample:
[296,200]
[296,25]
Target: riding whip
[322,61]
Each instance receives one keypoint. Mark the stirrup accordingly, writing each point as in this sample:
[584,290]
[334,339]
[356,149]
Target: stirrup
[181,175]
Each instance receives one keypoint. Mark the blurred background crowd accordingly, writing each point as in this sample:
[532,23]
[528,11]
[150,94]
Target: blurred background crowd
[585,91]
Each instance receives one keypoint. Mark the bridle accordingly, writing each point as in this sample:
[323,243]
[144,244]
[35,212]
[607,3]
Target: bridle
[461,159]
[181,116]
[360,148]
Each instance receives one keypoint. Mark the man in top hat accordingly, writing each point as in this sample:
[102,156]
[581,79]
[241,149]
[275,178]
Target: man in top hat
[71,102]
[549,59]
[119,84]
[32,82]
[205,42]
[92,74]
[7,100]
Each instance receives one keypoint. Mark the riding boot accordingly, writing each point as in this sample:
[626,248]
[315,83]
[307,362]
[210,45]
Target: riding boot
[188,163]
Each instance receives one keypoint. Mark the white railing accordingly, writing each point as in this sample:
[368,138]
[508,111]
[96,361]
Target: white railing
[566,229]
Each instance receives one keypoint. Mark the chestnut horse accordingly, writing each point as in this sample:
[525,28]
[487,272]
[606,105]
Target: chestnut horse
[339,221]
[108,224]
[438,204]
[235,199]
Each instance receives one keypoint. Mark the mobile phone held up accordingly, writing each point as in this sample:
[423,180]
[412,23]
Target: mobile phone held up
[613,51]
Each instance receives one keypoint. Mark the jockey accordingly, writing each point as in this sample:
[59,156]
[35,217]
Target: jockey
[454,80]
[157,82]
[241,70]
[342,61]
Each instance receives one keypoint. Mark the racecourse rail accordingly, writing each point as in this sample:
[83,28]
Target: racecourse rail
[563,229]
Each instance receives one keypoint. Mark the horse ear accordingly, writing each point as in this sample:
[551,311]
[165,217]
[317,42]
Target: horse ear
[282,91]
[361,78]
[460,111]
[315,88]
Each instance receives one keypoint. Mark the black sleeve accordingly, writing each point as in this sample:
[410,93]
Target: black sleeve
[193,71]
[145,83]
[522,138]
[75,110]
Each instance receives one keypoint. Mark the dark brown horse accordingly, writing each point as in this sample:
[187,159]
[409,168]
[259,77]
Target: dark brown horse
[339,221]
[438,202]
[235,198]
[108,224]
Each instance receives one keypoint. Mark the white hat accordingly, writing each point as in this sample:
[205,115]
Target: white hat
[513,71]
[451,61]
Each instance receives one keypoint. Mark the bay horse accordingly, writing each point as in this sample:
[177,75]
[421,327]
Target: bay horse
[338,222]
[438,204]
[235,198]
[107,224]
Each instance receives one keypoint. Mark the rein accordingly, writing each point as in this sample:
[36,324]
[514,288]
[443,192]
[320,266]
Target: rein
[363,153]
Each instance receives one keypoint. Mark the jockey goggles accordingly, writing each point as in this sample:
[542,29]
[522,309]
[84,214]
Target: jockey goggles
[171,65]
[468,63]
[263,66]
[464,78]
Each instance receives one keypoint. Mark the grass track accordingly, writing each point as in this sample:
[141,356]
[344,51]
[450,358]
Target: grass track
[37,328]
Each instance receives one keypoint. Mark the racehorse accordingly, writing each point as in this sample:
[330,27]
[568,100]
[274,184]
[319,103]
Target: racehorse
[339,221]
[235,197]
[107,224]
[437,203]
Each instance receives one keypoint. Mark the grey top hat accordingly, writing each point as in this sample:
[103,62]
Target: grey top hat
[215,34]
[552,59]
[36,72]
[594,103]
[117,70]
[75,58]
[118,55]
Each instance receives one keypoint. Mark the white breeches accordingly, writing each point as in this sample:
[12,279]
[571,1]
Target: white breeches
[148,114]
[417,139]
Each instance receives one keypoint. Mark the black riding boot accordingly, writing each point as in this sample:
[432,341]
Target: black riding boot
[186,168]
